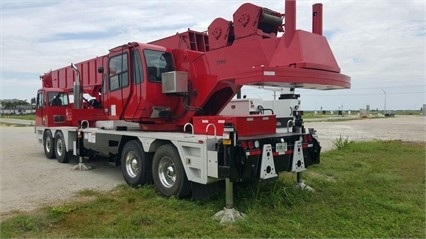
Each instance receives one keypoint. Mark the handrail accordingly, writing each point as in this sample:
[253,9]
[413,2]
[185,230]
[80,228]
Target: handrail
[214,127]
[288,122]
[192,127]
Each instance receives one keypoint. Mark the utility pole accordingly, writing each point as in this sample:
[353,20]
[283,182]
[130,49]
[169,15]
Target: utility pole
[385,100]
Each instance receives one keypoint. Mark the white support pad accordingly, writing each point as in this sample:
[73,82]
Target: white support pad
[228,215]
[298,164]
[267,167]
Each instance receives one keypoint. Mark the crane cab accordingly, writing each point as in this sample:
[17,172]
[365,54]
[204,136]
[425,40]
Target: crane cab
[51,107]
[127,78]
[132,89]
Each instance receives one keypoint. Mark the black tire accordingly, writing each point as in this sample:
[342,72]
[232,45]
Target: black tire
[60,148]
[48,144]
[168,173]
[135,165]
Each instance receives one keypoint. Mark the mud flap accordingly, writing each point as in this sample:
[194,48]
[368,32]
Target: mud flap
[298,164]
[267,167]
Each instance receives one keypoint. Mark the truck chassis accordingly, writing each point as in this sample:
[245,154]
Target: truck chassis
[181,163]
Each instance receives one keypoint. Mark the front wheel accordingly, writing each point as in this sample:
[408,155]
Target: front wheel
[168,173]
[48,144]
[135,165]
[61,148]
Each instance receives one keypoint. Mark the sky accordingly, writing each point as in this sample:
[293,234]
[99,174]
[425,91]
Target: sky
[380,44]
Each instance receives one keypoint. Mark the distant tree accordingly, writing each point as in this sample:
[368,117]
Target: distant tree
[22,102]
[12,105]
[9,105]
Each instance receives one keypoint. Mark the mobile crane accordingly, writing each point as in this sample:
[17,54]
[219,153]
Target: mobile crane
[154,108]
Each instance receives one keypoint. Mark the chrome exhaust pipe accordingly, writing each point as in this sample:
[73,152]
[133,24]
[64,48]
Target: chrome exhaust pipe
[78,98]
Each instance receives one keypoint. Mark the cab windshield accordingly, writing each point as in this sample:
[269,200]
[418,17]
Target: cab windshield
[57,98]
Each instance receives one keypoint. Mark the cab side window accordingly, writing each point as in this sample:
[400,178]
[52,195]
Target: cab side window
[40,100]
[158,62]
[118,72]
[137,68]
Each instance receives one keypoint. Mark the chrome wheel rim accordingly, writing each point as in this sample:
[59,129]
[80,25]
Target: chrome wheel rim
[167,172]
[48,145]
[59,147]
[132,165]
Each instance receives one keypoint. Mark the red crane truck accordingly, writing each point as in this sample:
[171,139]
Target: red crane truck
[154,108]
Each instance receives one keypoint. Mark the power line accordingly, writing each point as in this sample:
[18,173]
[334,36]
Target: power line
[369,88]
[344,94]
[389,93]
[389,87]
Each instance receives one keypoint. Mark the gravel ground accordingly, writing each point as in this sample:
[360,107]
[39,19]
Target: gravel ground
[406,128]
[28,180]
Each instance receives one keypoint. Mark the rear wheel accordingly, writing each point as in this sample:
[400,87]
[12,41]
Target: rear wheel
[168,173]
[135,165]
[61,148]
[48,144]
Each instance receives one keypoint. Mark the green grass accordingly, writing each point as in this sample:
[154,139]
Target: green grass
[13,124]
[310,115]
[24,117]
[342,143]
[365,189]
[408,112]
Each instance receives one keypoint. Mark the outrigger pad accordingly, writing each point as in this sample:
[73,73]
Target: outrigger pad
[228,215]
[302,186]
[83,167]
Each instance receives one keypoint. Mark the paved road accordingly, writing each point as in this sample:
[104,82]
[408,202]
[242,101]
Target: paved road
[28,180]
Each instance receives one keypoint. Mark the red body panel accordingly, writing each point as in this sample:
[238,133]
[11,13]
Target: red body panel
[64,77]
[189,40]
[247,125]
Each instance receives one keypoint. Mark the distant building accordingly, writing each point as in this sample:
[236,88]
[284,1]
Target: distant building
[15,106]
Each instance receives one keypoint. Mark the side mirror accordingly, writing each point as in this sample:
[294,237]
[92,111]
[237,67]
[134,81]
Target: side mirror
[101,69]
